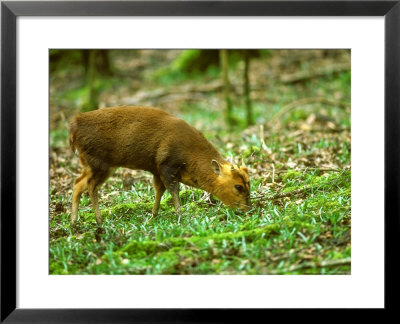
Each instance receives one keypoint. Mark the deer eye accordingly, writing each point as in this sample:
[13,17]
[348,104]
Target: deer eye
[239,188]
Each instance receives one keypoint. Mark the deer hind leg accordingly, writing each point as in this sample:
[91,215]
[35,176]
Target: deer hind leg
[79,186]
[174,190]
[170,178]
[97,178]
[160,189]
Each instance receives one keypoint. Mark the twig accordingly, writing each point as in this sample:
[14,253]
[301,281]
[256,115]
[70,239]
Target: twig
[305,75]
[148,221]
[297,191]
[205,203]
[301,170]
[290,193]
[73,174]
[305,101]
[157,94]
[273,173]
[308,265]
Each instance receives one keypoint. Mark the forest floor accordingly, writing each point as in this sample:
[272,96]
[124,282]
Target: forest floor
[298,153]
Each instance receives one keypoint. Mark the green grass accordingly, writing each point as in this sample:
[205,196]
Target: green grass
[306,230]
[208,239]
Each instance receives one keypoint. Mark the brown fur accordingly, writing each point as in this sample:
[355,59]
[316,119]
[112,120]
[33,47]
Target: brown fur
[152,140]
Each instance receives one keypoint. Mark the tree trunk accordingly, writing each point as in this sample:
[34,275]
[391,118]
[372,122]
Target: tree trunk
[90,66]
[103,63]
[225,78]
[246,89]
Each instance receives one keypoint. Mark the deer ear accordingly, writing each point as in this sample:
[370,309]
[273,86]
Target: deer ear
[216,167]
[245,169]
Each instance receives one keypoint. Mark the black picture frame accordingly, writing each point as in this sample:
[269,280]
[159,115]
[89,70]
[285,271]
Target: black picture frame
[10,11]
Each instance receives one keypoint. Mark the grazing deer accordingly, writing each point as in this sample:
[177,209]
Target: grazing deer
[153,140]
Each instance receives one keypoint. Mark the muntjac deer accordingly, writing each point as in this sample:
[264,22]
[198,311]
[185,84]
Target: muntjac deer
[153,140]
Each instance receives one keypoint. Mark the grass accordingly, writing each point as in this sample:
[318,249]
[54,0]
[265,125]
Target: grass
[300,221]
[294,235]
[208,240]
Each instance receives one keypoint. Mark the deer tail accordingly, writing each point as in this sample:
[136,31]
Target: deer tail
[71,137]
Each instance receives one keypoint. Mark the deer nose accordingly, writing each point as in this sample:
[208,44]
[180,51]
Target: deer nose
[245,207]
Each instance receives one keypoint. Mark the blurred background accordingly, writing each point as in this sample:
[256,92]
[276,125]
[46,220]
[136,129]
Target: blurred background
[221,90]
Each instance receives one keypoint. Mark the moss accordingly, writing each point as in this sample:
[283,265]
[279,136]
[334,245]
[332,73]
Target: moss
[291,174]
[185,196]
[132,208]
[248,225]
[90,217]
[194,208]
[298,225]
[146,247]
[250,151]
[57,268]
[167,201]
[174,244]
[123,209]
